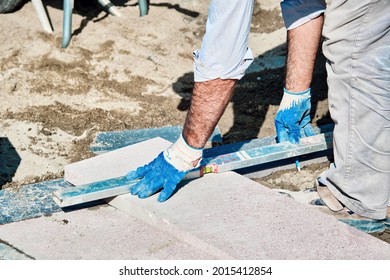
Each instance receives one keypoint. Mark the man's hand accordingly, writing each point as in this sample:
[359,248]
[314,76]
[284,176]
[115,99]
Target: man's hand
[165,171]
[292,120]
[159,174]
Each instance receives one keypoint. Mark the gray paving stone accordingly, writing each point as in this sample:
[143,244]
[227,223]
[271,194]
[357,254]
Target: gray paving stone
[115,163]
[245,220]
[96,233]
[9,253]
[232,217]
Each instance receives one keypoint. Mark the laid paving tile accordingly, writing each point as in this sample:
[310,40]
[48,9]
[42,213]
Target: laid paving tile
[9,253]
[115,163]
[231,216]
[95,233]
[35,200]
[245,220]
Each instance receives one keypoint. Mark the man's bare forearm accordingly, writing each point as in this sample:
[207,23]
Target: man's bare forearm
[208,103]
[302,46]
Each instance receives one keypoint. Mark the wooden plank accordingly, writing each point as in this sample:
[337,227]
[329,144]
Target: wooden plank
[217,164]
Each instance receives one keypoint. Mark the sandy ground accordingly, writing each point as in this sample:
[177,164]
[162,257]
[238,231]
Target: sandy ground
[127,72]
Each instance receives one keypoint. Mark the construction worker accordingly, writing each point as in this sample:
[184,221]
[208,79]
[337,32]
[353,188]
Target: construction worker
[218,65]
[357,47]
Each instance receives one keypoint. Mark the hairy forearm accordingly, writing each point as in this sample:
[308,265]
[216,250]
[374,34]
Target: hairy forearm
[208,103]
[302,46]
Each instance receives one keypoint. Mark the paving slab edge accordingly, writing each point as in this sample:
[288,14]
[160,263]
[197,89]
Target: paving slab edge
[149,218]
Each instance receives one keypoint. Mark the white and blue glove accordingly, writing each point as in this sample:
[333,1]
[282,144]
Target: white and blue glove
[166,171]
[292,120]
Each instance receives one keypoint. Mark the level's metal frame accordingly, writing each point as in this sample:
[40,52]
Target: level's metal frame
[215,164]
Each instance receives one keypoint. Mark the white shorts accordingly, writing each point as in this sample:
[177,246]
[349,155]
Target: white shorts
[224,53]
[298,12]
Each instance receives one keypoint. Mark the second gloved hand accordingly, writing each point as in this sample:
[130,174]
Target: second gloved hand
[165,171]
[292,120]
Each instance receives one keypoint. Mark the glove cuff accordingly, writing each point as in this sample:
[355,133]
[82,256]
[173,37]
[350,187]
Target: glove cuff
[297,93]
[182,156]
[291,99]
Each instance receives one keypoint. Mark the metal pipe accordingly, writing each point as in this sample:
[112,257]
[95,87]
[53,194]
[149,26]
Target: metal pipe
[42,15]
[67,24]
[143,7]
[110,7]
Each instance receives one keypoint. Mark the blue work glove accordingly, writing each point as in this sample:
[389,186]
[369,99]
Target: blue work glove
[292,120]
[165,171]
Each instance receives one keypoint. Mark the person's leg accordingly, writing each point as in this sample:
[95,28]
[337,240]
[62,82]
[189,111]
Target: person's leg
[208,103]
[221,61]
[357,48]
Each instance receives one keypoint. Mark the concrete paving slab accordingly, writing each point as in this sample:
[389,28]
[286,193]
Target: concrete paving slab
[9,253]
[232,217]
[245,220]
[115,163]
[96,233]
[35,200]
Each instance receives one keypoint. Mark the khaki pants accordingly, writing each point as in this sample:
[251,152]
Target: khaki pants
[357,48]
